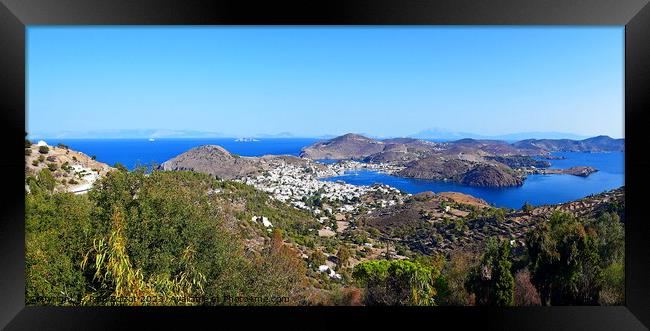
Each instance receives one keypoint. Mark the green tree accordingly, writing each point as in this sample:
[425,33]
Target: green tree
[397,282]
[343,256]
[278,273]
[565,262]
[317,258]
[491,280]
[45,180]
[119,166]
[57,235]
[527,207]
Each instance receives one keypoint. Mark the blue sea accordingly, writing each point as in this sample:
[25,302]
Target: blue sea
[537,189]
[134,152]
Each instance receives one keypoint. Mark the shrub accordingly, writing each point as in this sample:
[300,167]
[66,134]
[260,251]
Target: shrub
[28,143]
[41,158]
[568,255]
[52,166]
[35,162]
[456,272]
[28,151]
[397,282]
[46,180]
[72,181]
[525,292]
[51,158]
[491,280]
[43,149]
[317,258]
[343,256]
[527,207]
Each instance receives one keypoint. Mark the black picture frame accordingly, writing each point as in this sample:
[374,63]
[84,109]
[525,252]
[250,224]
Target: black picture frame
[15,15]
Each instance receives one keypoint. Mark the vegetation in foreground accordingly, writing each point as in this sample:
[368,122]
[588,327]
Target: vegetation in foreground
[168,238]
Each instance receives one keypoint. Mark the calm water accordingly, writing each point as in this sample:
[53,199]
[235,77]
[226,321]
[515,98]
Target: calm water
[537,189]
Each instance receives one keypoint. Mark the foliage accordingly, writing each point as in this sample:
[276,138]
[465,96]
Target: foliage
[397,282]
[118,281]
[277,273]
[569,257]
[525,292]
[45,181]
[28,143]
[138,235]
[57,233]
[120,167]
[527,207]
[317,258]
[491,280]
[343,255]
[43,149]
[455,273]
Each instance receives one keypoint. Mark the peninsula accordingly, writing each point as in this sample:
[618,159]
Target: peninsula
[485,163]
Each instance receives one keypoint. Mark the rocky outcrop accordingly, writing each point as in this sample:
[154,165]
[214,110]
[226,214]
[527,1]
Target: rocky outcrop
[487,175]
[581,171]
[73,171]
[437,168]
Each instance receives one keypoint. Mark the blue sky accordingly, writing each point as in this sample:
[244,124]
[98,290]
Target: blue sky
[312,81]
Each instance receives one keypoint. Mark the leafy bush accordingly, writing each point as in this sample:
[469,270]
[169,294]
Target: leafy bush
[43,149]
[491,280]
[570,257]
[527,207]
[52,166]
[397,282]
[28,151]
[138,235]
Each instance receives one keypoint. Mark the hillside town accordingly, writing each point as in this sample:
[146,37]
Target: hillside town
[297,185]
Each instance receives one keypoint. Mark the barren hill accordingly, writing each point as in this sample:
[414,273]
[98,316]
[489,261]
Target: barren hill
[217,161]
